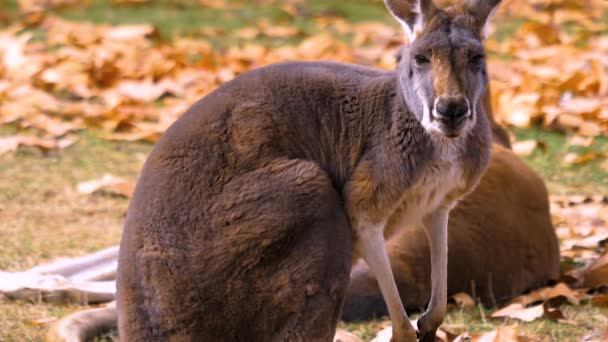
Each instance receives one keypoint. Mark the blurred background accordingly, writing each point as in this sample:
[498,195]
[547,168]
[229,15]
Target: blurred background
[87,87]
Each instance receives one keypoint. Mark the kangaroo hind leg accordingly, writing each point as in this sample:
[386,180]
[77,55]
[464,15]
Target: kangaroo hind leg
[290,244]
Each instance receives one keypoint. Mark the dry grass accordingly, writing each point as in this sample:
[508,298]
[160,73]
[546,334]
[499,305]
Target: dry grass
[582,322]
[42,216]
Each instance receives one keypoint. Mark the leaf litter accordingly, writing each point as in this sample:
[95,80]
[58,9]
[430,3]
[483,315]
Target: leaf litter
[133,83]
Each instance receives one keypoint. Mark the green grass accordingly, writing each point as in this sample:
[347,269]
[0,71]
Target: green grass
[589,178]
[188,17]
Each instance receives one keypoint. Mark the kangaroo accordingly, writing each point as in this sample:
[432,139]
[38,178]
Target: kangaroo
[87,325]
[501,241]
[527,215]
[250,209]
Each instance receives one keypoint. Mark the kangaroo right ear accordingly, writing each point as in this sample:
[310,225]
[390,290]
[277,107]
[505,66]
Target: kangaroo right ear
[483,11]
[411,14]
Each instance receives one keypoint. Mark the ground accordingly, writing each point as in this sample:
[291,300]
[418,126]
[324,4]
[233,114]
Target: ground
[43,217]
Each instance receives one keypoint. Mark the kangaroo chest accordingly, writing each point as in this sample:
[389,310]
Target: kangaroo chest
[441,182]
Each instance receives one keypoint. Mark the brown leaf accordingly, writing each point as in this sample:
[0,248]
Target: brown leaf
[578,140]
[345,336]
[281,31]
[147,91]
[600,300]
[568,121]
[547,294]
[597,273]
[462,300]
[149,136]
[107,184]
[592,242]
[518,311]
[576,159]
[28,6]
[131,32]
[11,144]
[445,336]
[41,322]
[54,127]
[525,148]
[590,129]
[130,2]
[537,34]
[586,107]
[501,334]
[553,314]
[219,4]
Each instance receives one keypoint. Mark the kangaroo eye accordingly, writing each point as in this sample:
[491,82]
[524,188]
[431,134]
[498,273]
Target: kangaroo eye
[421,60]
[477,60]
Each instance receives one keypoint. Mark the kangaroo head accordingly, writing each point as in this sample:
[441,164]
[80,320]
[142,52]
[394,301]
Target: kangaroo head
[442,72]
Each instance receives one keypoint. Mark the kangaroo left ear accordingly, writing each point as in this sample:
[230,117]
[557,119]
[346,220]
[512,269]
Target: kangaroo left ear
[482,11]
[411,14]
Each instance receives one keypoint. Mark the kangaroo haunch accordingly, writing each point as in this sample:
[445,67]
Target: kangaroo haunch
[501,242]
[249,210]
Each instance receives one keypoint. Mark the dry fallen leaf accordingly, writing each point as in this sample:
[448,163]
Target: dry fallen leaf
[548,294]
[386,333]
[524,148]
[345,336]
[445,336]
[41,322]
[130,2]
[501,334]
[107,184]
[519,311]
[11,144]
[28,6]
[462,300]
[599,300]
[529,314]
[578,140]
[576,159]
[548,79]
[597,273]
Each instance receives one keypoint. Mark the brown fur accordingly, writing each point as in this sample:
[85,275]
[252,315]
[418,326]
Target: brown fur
[364,300]
[240,225]
[227,199]
[501,241]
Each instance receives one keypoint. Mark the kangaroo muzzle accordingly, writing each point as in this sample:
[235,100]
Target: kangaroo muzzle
[451,113]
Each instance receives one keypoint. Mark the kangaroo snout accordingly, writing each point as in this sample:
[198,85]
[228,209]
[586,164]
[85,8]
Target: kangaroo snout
[451,112]
[452,107]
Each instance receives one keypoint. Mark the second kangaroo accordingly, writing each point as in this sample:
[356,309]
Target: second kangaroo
[250,209]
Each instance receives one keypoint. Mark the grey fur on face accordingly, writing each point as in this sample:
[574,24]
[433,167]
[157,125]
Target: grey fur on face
[442,72]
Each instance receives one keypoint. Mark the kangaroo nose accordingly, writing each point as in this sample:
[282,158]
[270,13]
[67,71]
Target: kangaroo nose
[452,107]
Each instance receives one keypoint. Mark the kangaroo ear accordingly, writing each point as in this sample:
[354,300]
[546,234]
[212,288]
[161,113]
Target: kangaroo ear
[483,11]
[411,14]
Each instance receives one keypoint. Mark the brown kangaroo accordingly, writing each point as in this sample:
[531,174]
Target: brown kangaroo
[249,210]
[501,241]
[363,299]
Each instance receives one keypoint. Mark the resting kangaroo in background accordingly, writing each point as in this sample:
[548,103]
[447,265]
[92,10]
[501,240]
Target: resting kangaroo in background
[241,223]
[500,240]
